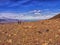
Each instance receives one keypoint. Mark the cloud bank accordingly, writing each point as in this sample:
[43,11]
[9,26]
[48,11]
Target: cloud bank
[31,15]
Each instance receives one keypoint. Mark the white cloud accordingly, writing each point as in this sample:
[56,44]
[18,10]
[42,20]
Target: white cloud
[31,15]
[35,11]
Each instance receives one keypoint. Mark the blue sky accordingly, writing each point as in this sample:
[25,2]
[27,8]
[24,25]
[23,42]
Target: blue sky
[28,5]
[46,7]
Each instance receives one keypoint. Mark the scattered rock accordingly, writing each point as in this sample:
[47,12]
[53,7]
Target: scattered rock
[0,41]
[45,44]
[14,34]
[5,32]
[9,40]
[47,30]
[9,35]
[26,27]
[39,32]
[57,35]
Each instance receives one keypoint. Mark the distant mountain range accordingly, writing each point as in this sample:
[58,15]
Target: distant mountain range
[8,19]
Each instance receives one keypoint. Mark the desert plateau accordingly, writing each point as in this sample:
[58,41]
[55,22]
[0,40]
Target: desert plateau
[44,32]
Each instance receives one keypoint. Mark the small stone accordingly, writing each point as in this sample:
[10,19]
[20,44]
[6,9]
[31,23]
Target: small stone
[9,35]
[0,40]
[9,41]
[29,26]
[14,34]
[56,35]
[37,44]
[39,32]
[45,44]
[50,40]
[5,32]
[47,30]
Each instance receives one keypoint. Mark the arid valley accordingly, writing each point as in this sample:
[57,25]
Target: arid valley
[44,32]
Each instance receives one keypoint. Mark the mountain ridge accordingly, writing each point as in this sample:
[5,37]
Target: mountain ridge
[56,16]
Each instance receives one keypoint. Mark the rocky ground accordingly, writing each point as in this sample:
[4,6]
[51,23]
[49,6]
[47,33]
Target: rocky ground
[45,32]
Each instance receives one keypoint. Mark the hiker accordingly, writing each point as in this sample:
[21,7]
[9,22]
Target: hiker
[19,22]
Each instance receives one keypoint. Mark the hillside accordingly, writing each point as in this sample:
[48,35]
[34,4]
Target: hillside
[45,32]
[57,16]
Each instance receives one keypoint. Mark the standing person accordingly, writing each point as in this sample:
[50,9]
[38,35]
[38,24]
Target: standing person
[19,22]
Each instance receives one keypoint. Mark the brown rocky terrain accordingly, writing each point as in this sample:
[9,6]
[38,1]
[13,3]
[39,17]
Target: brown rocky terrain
[45,32]
[55,17]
